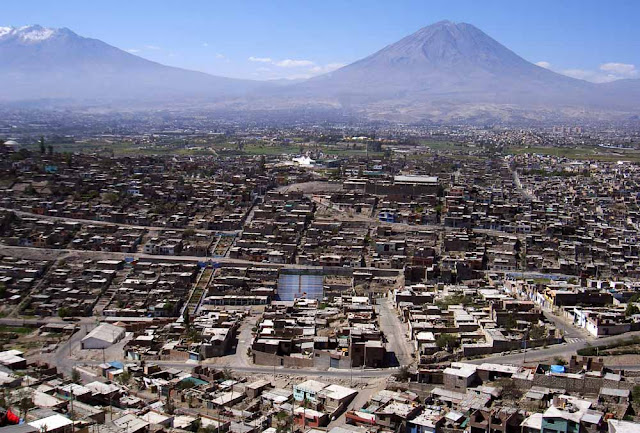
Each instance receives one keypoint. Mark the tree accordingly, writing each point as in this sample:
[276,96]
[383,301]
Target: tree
[75,375]
[456,299]
[25,404]
[186,384]
[283,421]
[124,378]
[111,197]
[227,374]
[510,323]
[403,374]
[447,341]
[634,298]
[168,307]
[537,332]
[64,312]
[197,424]
[510,389]
[42,146]
[185,317]
[169,407]
[635,394]
[50,147]
[632,309]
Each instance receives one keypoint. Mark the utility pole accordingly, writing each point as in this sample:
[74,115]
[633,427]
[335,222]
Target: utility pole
[293,410]
[350,370]
[73,424]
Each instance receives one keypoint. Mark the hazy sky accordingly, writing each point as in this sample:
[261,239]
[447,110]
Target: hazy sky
[595,40]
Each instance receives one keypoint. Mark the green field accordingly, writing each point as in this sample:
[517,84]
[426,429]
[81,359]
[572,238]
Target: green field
[16,329]
[268,150]
[443,145]
[581,153]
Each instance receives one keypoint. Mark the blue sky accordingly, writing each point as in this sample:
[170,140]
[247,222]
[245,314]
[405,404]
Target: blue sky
[595,40]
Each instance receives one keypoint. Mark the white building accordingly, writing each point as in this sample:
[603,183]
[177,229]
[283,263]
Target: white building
[103,336]
[53,424]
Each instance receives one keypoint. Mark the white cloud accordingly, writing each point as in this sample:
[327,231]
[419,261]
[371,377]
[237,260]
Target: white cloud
[301,68]
[320,69]
[260,59]
[605,73]
[220,56]
[204,44]
[334,66]
[299,76]
[620,69]
[289,63]
[152,47]
[133,50]
[580,74]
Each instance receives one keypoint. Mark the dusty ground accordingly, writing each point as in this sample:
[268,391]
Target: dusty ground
[622,360]
[31,343]
[312,187]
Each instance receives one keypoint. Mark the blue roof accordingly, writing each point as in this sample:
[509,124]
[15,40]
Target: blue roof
[116,364]
[557,368]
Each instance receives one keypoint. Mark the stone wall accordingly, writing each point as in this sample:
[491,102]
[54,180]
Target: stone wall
[584,385]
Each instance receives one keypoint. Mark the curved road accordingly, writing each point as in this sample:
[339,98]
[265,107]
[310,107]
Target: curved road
[558,350]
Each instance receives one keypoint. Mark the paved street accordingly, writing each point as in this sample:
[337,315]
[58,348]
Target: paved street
[569,331]
[395,331]
[101,255]
[262,369]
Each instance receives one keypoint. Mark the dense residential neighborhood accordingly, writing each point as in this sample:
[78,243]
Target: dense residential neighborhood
[370,284]
[320,216]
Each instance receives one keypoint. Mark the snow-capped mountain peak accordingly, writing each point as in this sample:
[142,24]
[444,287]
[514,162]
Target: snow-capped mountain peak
[36,33]
[5,31]
[28,34]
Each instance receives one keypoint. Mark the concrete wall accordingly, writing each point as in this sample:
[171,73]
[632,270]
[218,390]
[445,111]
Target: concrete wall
[323,360]
[263,358]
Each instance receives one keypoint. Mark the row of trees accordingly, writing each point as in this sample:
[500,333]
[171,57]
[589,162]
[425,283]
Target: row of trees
[44,148]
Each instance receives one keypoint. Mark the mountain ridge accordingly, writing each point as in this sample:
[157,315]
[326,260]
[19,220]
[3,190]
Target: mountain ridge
[58,63]
[442,72]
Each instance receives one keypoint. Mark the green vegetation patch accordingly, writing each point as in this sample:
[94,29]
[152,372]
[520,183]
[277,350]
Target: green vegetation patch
[16,329]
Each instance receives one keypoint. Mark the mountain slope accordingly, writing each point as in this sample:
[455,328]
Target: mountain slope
[42,63]
[454,60]
[450,71]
